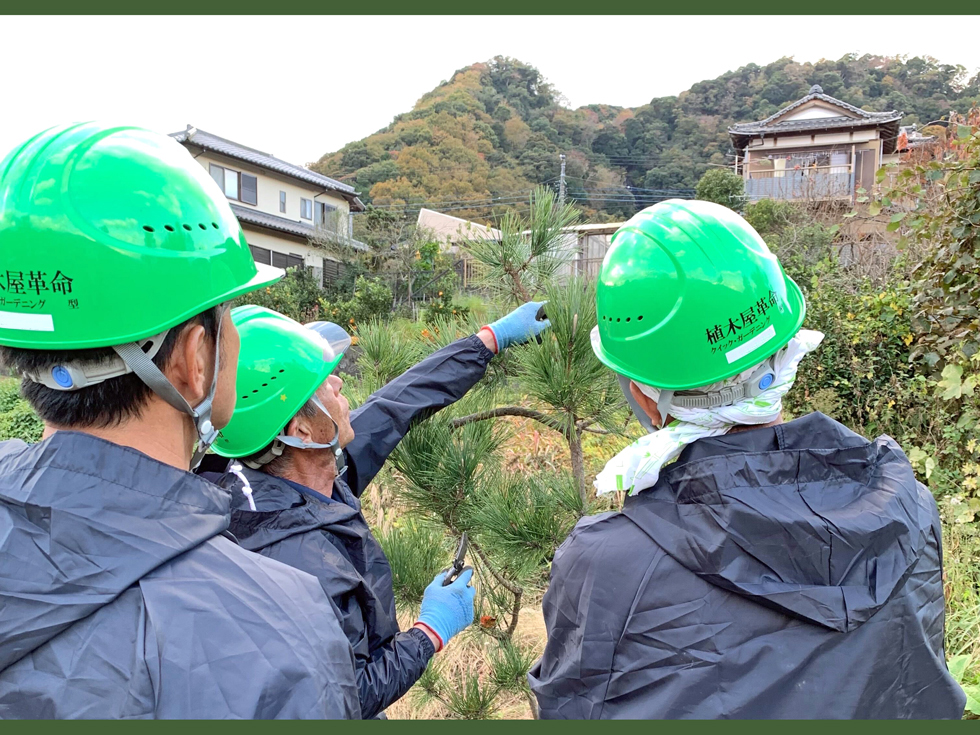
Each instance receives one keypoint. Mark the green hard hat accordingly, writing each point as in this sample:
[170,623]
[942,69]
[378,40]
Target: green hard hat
[280,366]
[109,235]
[689,295]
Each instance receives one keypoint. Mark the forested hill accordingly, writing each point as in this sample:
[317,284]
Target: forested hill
[477,144]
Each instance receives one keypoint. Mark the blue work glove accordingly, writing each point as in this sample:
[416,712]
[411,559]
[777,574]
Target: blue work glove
[448,610]
[519,326]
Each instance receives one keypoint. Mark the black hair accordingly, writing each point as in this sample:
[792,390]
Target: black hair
[104,404]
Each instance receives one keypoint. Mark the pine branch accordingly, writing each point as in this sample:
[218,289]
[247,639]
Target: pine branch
[528,413]
[516,591]
[584,425]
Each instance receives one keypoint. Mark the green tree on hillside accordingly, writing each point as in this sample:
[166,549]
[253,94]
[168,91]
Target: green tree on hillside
[478,143]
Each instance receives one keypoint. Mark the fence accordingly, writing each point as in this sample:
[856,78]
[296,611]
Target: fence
[813,187]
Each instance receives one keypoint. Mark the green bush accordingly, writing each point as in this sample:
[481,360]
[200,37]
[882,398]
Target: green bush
[17,418]
[721,186]
[297,295]
[372,299]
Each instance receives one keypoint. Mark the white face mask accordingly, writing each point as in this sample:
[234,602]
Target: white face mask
[638,466]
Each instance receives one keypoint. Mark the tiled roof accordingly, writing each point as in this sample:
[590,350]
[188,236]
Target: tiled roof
[229,148]
[281,224]
[772,125]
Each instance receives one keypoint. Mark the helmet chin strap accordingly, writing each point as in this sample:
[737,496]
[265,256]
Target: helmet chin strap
[641,415]
[284,440]
[758,381]
[141,364]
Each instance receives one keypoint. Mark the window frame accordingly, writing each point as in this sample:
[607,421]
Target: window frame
[303,203]
[282,202]
[239,176]
[241,188]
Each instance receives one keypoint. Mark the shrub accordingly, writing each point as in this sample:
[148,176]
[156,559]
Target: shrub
[721,186]
[17,418]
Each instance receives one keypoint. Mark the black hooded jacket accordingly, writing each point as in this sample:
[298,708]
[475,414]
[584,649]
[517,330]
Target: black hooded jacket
[329,537]
[784,572]
[120,597]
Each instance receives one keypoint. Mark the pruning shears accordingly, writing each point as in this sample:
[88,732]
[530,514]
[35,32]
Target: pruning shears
[540,316]
[453,572]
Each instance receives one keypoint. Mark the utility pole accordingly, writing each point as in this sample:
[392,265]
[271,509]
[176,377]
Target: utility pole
[561,181]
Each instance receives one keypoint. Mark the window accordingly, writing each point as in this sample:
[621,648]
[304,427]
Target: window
[238,186]
[323,212]
[282,260]
[218,174]
[250,189]
[261,255]
[306,208]
[282,202]
[332,271]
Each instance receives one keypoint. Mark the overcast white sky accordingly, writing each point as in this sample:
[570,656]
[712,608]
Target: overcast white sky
[299,87]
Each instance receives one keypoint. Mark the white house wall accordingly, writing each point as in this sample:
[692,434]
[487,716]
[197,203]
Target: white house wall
[269,187]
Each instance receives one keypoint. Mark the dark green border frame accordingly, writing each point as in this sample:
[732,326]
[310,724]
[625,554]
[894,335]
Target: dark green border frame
[892,9]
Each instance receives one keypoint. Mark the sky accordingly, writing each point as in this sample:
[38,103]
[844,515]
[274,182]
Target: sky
[299,87]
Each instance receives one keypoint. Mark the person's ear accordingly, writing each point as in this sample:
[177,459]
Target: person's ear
[648,405]
[191,364]
[300,427]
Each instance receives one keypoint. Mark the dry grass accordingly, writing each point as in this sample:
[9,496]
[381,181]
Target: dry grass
[469,653]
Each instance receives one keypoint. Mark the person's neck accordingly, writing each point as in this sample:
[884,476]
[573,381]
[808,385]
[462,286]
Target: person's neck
[160,432]
[315,469]
[748,427]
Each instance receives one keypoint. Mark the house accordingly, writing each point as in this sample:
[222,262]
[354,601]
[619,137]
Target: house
[450,231]
[817,148]
[280,206]
[588,244]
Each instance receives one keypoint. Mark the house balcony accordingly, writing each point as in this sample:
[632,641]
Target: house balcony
[812,184]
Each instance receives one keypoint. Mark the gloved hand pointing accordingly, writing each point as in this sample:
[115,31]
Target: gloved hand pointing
[448,610]
[519,326]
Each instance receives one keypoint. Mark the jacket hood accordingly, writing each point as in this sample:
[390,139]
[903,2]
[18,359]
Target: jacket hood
[82,520]
[807,518]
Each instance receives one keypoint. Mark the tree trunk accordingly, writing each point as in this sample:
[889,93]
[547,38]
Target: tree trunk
[578,465]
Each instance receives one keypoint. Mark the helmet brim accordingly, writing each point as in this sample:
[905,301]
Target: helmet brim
[336,338]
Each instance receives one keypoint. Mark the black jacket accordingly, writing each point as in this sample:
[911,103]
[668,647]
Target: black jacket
[786,572]
[121,598]
[331,539]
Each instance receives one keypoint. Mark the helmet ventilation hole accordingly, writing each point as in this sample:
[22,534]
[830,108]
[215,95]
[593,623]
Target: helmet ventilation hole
[627,318]
[256,390]
[147,228]
[639,318]
[214,225]
[202,226]
[264,385]
[168,228]
[187,227]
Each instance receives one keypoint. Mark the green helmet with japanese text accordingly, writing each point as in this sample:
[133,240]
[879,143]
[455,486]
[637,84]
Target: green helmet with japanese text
[112,234]
[689,295]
